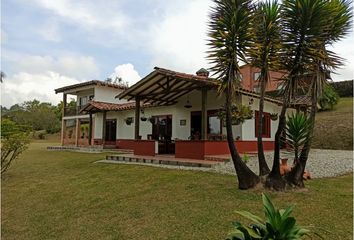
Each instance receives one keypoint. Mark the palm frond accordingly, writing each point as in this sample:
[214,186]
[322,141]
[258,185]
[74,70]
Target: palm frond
[230,36]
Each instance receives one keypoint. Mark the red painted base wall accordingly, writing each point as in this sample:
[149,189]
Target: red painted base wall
[199,149]
[144,147]
[125,143]
[190,149]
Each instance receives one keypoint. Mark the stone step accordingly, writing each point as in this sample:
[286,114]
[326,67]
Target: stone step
[170,161]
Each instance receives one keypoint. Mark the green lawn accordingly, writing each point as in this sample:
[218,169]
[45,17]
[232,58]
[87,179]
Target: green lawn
[334,129]
[63,195]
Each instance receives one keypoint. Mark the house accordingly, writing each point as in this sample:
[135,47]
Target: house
[166,112]
[250,79]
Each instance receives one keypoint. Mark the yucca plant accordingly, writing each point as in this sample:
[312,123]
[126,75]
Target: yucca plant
[265,55]
[277,225]
[297,130]
[306,27]
[336,23]
[230,36]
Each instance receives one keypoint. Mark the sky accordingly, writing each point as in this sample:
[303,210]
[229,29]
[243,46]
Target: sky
[47,44]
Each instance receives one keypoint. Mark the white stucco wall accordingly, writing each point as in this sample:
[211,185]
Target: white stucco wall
[97,133]
[248,127]
[246,131]
[108,94]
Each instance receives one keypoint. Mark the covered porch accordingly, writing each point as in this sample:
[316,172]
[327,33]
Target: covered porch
[165,88]
[187,132]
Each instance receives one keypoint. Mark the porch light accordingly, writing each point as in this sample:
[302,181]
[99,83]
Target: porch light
[250,101]
[188,104]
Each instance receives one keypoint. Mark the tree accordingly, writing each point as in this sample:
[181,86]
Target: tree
[40,116]
[265,56]
[14,140]
[301,22]
[230,36]
[337,16]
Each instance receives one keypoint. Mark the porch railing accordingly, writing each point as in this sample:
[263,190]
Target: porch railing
[72,111]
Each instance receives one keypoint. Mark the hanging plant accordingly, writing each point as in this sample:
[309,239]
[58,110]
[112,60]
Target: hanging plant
[129,120]
[152,120]
[273,116]
[240,113]
[143,119]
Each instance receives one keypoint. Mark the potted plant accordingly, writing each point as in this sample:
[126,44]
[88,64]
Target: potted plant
[129,120]
[274,116]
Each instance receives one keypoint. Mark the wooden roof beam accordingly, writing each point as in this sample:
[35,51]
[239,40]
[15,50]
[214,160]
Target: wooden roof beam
[144,89]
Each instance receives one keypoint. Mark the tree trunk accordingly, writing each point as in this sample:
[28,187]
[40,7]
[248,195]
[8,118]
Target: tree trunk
[246,178]
[295,176]
[274,179]
[263,166]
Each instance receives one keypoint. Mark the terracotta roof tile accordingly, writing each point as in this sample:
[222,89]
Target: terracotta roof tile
[88,83]
[105,106]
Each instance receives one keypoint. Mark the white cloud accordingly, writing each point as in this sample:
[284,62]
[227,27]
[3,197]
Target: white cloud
[76,66]
[25,86]
[345,50]
[50,31]
[127,73]
[179,40]
[3,37]
[87,14]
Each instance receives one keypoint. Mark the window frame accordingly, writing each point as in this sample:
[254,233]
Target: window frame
[266,125]
[256,78]
[213,113]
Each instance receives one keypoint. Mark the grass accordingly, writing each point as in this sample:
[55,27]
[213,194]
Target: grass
[64,195]
[334,129]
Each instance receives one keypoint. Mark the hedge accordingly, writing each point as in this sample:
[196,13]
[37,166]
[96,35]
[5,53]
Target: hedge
[343,88]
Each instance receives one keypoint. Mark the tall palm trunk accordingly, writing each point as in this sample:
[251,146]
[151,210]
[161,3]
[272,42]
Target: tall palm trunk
[246,178]
[274,179]
[263,166]
[295,176]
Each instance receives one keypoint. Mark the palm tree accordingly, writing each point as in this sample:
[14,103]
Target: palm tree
[338,15]
[230,36]
[302,24]
[265,56]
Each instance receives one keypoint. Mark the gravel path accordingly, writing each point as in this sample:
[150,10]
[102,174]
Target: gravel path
[321,163]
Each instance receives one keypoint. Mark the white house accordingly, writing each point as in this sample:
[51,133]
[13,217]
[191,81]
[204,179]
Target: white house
[166,112]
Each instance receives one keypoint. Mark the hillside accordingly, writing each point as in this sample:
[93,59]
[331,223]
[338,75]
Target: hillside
[334,129]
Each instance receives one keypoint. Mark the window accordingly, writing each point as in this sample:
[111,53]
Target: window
[214,123]
[162,127]
[266,125]
[256,76]
[83,101]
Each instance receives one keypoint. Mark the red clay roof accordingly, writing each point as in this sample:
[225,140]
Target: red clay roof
[95,106]
[200,80]
[88,83]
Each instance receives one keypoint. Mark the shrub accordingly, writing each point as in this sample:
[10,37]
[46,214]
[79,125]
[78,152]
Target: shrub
[14,140]
[41,135]
[329,98]
[278,225]
[245,158]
